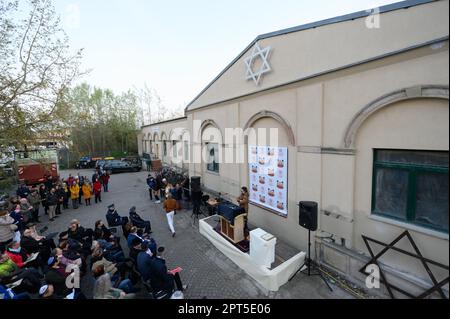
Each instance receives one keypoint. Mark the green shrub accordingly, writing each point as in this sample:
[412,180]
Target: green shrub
[7,184]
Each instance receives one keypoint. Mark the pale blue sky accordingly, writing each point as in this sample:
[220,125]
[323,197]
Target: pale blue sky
[177,47]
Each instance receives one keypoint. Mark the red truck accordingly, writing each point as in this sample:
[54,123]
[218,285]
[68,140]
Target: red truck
[34,166]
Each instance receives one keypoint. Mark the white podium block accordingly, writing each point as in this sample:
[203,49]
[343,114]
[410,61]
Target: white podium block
[262,248]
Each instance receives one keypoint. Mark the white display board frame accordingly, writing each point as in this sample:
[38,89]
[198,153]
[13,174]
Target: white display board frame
[268,178]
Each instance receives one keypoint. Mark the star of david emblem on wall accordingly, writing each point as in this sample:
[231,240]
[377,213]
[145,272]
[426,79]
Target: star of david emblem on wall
[436,285]
[253,72]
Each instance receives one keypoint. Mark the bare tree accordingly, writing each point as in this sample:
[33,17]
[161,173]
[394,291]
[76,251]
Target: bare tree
[152,108]
[36,70]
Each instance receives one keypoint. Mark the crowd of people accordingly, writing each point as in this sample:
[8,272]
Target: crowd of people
[32,265]
[36,266]
[171,196]
[53,266]
[159,188]
[53,196]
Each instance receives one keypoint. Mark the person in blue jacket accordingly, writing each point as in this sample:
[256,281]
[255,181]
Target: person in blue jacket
[137,221]
[113,217]
[152,187]
[9,294]
[23,191]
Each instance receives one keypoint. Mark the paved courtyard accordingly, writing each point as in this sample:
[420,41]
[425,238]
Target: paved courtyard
[208,272]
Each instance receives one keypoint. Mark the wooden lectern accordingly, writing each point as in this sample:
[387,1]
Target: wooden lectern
[156,165]
[235,232]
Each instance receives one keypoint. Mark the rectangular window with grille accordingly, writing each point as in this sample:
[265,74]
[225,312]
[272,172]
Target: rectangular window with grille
[174,149]
[186,151]
[411,186]
[213,157]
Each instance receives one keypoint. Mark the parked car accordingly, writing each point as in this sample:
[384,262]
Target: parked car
[4,197]
[134,161]
[119,167]
[7,169]
[85,162]
[100,163]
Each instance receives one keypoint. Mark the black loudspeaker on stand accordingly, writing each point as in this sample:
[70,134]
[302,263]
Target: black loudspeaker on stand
[308,220]
[195,184]
[196,195]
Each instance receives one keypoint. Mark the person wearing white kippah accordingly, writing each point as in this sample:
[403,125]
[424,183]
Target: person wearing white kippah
[47,292]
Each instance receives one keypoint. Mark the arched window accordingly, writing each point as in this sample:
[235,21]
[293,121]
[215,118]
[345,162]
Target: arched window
[401,155]
[213,157]
[212,139]
[174,149]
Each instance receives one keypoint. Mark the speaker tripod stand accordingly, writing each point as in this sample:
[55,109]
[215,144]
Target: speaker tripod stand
[195,217]
[310,266]
[196,212]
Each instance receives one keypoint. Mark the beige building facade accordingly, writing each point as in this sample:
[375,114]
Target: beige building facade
[361,103]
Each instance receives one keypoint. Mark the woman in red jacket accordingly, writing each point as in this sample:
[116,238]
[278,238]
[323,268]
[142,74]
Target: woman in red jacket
[17,254]
[98,191]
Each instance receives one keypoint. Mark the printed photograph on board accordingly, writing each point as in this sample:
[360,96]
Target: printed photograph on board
[268,177]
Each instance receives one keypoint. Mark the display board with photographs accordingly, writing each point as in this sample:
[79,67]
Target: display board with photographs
[268,176]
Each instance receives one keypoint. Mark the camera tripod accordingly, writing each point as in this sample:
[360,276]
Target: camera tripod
[311,266]
[195,217]
[196,212]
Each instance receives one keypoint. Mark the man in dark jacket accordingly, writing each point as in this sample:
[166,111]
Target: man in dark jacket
[76,231]
[95,177]
[28,243]
[16,214]
[49,182]
[137,221]
[56,278]
[52,201]
[35,200]
[113,217]
[161,188]
[23,191]
[81,235]
[66,190]
[161,279]
[144,262]
[60,194]
[31,279]
[151,183]
[31,245]
[102,232]
[135,249]
[43,192]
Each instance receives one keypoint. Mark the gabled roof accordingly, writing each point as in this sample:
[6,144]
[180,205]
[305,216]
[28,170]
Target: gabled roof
[164,122]
[352,16]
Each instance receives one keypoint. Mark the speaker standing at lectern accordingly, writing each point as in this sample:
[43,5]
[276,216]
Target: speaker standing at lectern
[243,203]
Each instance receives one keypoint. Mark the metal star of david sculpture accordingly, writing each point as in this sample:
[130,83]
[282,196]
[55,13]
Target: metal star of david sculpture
[436,285]
[257,53]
